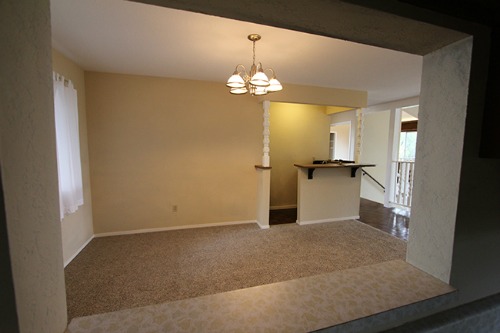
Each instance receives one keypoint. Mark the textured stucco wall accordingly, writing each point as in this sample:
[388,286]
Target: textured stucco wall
[29,171]
[476,269]
[445,81]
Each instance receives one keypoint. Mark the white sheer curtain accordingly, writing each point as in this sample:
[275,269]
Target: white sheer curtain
[68,146]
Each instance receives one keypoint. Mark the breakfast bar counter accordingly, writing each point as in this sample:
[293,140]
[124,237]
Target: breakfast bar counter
[328,192]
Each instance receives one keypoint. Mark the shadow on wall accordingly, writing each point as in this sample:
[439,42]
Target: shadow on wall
[299,134]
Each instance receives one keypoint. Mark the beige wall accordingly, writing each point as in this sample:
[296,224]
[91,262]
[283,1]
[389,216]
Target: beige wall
[331,195]
[29,170]
[342,141]
[155,143]
[76,228]
[293,93]
[344,117]
[374,148]
[299,133]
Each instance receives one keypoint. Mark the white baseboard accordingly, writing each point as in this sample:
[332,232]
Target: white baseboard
[142,231]
[263,227]
[78,251]
[328,220]
[282,207]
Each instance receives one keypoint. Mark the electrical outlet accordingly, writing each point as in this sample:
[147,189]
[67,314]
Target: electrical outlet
[174,208]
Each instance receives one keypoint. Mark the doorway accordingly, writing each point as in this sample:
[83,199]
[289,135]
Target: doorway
[340,141]
[299,133]
[402,166]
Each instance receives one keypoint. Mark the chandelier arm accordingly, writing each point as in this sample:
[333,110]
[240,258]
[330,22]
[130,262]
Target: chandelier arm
[242,71]
[239,71]
[273,76]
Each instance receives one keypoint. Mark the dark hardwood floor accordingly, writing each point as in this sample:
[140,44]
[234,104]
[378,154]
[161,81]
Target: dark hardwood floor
[282,216]
[391,220]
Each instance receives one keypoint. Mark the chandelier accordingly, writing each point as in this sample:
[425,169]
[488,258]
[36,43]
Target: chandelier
[257,82]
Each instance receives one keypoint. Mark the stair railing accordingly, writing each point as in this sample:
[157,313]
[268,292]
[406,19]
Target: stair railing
[371,177]
[403,185]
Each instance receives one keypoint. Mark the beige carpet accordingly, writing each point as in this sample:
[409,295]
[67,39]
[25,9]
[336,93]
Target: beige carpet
[120,272]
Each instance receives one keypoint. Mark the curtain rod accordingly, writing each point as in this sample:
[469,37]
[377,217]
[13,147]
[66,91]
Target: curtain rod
[58,77]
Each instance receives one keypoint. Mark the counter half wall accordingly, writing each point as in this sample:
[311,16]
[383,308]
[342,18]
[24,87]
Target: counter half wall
[328,192]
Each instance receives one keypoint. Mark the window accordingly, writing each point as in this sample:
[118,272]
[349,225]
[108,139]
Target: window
[68,146]
[407,146]
[333,138]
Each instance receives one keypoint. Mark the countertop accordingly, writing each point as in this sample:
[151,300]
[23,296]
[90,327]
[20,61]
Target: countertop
[333,165]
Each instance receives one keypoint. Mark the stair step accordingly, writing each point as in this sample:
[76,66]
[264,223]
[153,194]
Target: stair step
[361,299]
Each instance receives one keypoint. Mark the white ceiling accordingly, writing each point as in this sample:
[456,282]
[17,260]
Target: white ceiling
[132,38]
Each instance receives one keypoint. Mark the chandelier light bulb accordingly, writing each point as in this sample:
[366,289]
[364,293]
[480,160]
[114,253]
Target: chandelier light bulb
[260,91]
[259,79]
[235,81]
[274,85]
[238,91]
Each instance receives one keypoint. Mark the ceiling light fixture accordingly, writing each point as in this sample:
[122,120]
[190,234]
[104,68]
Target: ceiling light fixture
[257,82]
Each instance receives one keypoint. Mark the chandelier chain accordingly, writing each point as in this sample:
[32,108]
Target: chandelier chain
[254,52]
